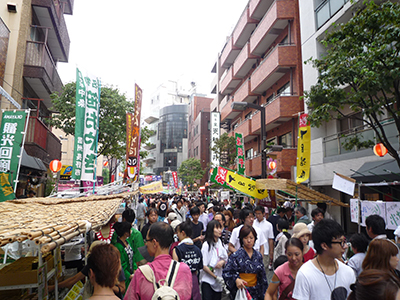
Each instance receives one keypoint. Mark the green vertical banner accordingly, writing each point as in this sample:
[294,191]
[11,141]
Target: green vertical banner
[86,126]
[12,130]
[240,153]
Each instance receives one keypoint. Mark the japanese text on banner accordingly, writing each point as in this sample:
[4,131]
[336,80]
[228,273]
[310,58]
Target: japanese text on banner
[240,153]
[303,149]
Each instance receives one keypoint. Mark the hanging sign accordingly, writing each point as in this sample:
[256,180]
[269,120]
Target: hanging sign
[232,180]
[11,134]
[240,153]
[86,126]
[151,188]
[303,149]
[215,133]
[175,179]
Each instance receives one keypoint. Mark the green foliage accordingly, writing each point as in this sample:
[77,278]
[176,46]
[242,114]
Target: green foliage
[112,116]
[106,175]
[190,171]
[225,149]
[360,72]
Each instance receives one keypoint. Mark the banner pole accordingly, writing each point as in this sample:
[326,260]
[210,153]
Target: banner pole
[21,151]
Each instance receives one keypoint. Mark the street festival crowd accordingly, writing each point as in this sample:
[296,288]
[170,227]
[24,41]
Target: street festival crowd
[197,248]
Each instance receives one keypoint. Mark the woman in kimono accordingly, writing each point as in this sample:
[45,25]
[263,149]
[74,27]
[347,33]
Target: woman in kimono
[245,268]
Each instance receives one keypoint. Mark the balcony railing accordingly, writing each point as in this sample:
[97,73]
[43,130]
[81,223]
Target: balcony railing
[39,134]
[38,55]
[326,9]
[333,144]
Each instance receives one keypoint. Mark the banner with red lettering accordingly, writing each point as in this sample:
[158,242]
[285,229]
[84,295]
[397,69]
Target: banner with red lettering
[133,136]
[240,153]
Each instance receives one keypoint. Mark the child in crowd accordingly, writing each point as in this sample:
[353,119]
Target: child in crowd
[197,227]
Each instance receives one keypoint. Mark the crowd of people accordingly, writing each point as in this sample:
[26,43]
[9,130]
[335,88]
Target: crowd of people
[206,249]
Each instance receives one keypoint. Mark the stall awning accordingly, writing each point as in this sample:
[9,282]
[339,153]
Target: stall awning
[32,162]
[377,171]
[286,190]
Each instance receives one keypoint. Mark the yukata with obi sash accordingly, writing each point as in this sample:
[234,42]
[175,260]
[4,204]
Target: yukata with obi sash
[240,265]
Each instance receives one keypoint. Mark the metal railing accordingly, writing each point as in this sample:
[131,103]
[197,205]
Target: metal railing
[327,9]
[334,144]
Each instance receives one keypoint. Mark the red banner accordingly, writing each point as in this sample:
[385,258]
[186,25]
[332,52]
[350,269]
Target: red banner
[175,177]
[133,136]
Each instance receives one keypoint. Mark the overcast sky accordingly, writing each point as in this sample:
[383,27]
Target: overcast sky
[148,42]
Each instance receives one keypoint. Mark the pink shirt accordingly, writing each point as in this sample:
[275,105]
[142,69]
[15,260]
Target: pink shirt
[141,288]
[283,273]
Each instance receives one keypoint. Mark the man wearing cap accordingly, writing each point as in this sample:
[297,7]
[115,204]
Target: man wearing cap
[210,208]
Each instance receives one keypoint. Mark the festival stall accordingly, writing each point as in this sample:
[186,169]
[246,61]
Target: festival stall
[38,227]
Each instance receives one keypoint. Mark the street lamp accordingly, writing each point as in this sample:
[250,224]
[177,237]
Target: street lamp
[243,106]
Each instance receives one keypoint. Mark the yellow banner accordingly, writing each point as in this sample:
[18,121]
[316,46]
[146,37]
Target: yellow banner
[152,188]
[238,182]
[303,150]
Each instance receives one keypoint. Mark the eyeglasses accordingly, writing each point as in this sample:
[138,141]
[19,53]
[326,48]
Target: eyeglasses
[342,243]
[149,240]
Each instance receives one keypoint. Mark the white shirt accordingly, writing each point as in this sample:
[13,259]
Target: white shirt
[268,232]
[312,284]
[234,240]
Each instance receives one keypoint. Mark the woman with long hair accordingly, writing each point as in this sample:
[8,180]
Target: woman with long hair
[375,284]
[229,223]
[285,275]
[280,241]
[214,259]
[245,267]
[381,255]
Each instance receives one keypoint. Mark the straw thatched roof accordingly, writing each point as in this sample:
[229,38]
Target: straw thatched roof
[55,220]
[286,190]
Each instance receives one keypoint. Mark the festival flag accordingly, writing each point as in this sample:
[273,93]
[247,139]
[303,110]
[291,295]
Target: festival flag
[229,179]
[175,177]
[86,126]
[154,187]
[215,133]
[133,136]
[240,153]
[303,149]
[12,131]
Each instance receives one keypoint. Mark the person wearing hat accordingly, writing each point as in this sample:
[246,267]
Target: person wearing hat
[210,208]
[301,231]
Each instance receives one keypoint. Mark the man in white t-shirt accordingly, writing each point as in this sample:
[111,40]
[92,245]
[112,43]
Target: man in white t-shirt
[325,277]
[247,218]
[268,232]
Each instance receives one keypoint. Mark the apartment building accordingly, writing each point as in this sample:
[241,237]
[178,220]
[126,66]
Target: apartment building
[261,64]
[327,152]
[199,132]
[34,38]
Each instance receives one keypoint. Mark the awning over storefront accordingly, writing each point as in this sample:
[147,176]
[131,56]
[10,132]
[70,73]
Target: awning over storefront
[286,191]
[32,162]
[378,171]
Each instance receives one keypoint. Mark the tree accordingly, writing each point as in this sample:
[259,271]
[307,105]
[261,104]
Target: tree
[112,119]
[361,72]
[225,149]
[190,171]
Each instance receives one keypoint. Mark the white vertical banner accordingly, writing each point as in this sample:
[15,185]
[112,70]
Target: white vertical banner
[215,134]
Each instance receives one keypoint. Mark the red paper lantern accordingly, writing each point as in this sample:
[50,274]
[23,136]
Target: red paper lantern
[55,166]
[105,163]
[380,150]
[272,165]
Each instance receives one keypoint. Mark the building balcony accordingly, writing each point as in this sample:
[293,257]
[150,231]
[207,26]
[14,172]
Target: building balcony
[150,147]
[273,67]
[229,82]
[50,14]
[271,26]
[40,71]
[285,160]
[245,129]
[253,166]
[227,113]
[281,109]
[41,142]
[244,94]
[243,29]
[244,62]
[149,159]
[229,54]
[258,8]
[68,7]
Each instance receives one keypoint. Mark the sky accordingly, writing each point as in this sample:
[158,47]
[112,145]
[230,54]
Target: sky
[148,42]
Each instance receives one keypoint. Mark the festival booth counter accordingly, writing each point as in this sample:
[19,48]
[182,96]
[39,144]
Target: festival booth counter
[37,227]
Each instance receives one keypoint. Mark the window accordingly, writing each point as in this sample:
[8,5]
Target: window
[270,98]
[249,153]
[285,140]
[350,122]
[326,9]
[284,90]
[248,116]
[285,41]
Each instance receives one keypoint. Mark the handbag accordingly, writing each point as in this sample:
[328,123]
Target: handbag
[243,294]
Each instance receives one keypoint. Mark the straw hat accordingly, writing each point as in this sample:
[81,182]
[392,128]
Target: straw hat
[300,229]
